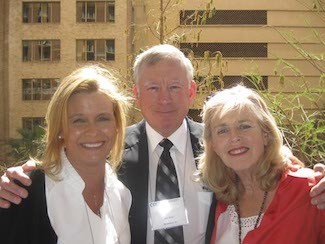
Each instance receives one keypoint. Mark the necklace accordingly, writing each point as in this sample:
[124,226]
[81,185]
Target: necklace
[97,208]
[93,201]
[258,216]
[109,212]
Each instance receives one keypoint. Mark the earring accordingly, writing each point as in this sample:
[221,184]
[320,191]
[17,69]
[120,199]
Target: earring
[60,137]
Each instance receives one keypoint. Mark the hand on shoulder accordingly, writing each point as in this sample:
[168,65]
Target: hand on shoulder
[10,191]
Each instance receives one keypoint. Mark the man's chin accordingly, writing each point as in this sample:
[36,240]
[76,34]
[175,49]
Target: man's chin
[166,129]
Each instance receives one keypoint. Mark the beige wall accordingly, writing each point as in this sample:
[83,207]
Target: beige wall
[68,31]
[283,19]
[131,33]
[4,123]
[2,112]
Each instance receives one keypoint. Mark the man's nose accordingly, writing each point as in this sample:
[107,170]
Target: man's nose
[164,95]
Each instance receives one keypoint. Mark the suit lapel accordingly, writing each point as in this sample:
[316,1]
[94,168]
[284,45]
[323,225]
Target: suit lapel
[196,131]
[134,174]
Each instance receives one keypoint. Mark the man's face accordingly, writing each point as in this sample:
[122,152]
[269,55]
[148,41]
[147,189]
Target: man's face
[164,95]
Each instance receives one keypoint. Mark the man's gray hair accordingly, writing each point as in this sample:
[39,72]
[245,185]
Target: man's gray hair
[155,54]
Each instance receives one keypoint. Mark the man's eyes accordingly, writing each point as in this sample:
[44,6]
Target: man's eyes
[175,87]
[170,88]
[153,88]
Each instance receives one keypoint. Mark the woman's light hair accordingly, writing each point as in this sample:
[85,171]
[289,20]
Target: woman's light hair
[212,171]
[88,79]
[161,52]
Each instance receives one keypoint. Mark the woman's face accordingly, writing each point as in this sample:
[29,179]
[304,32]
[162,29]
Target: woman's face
[238,140]
[91,128]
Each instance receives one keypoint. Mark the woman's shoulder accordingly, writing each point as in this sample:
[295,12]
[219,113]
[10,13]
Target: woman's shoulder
[302,173]
[300,180]
[119,192]
[113,182]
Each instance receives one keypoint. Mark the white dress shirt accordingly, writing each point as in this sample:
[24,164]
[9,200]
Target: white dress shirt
[197,200]
[71,218]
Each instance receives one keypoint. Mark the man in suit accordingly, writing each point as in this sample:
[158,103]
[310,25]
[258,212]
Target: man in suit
[164,90]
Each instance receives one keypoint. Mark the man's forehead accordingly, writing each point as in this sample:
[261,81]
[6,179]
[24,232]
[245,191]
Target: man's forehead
[160,81]
[166,62]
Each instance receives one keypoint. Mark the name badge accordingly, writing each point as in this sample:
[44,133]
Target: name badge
[167,213]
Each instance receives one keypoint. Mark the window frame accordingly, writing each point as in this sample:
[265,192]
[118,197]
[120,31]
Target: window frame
[32,12]
[99,50]
[30,123]
[108,11]
[29,93]
[41,50]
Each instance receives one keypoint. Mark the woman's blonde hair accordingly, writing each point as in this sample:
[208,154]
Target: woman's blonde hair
[88,79]
[213,172]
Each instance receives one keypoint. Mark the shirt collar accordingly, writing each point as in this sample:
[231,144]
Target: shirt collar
[178,138]
[69,174]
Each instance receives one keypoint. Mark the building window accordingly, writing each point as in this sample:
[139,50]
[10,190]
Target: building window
[223,17]
[41,12]
[30,123]
[95,50]
[38,89]
[41,50]
[96,11]
[228,50]
[110,50]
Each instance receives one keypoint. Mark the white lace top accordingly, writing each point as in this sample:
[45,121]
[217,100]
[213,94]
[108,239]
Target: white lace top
[227,228]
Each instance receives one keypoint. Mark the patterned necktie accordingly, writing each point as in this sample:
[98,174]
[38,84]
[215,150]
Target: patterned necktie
[167,188]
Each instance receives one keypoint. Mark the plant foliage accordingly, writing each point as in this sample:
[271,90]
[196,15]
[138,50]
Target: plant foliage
[28,145]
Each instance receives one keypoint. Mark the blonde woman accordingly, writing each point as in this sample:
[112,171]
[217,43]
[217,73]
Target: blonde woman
[259,199]
[75,196]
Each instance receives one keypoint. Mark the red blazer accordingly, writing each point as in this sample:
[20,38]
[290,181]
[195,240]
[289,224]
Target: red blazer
[290,218]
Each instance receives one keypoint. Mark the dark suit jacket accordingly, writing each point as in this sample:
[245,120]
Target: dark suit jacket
[134,173]
[28,222]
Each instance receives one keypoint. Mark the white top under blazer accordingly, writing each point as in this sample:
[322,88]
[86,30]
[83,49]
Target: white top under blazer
[71,218]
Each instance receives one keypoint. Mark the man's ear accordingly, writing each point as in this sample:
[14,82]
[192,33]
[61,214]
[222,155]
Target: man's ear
[135,94]
[192,90]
